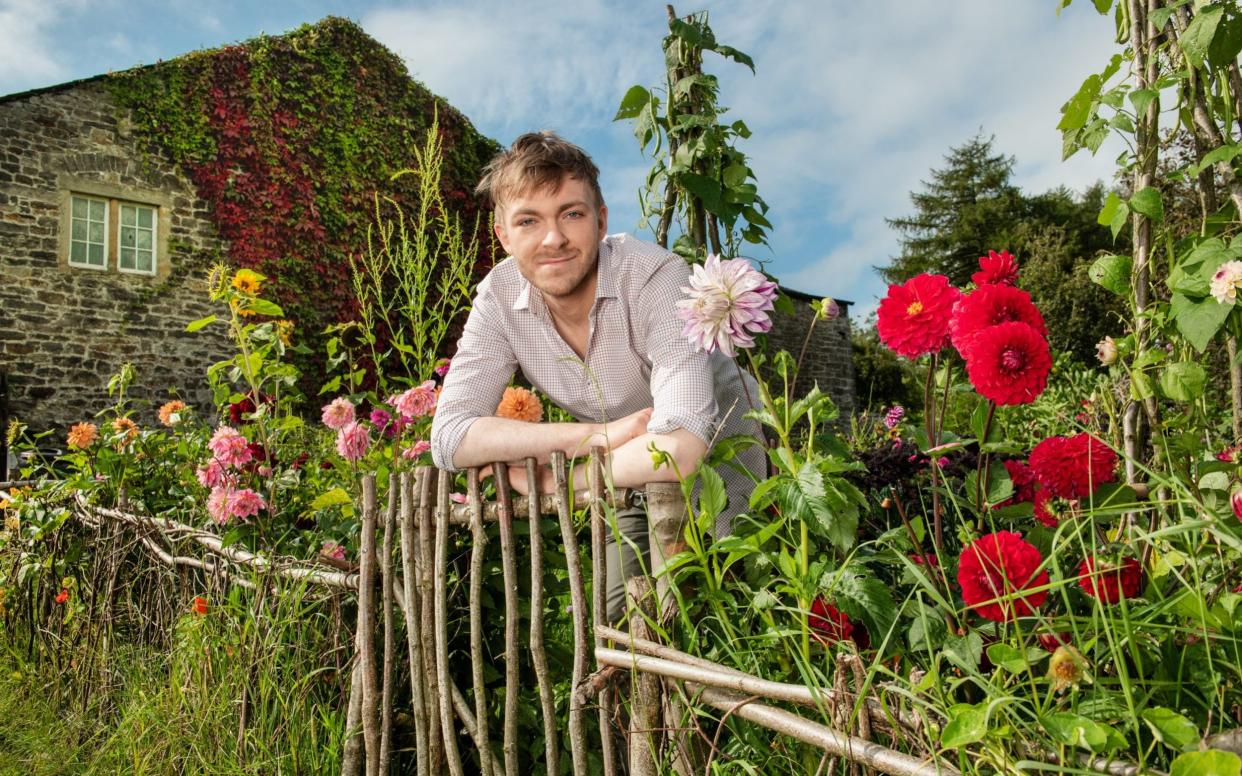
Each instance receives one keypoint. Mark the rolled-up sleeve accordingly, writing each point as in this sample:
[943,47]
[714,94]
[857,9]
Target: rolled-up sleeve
[482,367]
[682,386]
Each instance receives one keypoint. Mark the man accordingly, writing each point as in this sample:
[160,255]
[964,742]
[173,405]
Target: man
[591,322]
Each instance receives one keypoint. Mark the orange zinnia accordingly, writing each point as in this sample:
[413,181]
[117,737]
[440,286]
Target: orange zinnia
[83,435]
[520,404]
[167,411]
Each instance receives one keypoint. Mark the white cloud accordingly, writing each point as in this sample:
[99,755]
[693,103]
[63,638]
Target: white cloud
[28,57]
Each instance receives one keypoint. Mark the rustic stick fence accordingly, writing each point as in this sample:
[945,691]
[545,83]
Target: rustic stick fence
[413,528]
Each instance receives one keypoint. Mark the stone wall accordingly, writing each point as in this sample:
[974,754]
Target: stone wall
[65,330]
[829,360]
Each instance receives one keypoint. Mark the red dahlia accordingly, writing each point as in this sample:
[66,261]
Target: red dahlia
[996,573]
[988,306]
[1023,480]
[1109,582]
[913,318]
[1051,509]
[1050,641]
[829,623]
[1073,467]
[999,268]
[1009,363]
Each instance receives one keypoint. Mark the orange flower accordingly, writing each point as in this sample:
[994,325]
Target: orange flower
[168,410]
[200,605]
[62,596]
[83,435]
[520,404]
[127,428]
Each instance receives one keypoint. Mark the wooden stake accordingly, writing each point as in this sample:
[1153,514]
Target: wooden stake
[479,537]
[645,702]
[508,562]
[413,618]
[599,613]
[577,597]
[539,656]
[426,534]
[366,628]
[448,730]
[390,649]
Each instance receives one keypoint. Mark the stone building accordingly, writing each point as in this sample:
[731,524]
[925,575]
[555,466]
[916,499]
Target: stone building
[829,361]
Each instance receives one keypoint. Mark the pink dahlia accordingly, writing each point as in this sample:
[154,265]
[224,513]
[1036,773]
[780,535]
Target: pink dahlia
[729,303]
[338,413]
[245,503]
[331,549]
[1109,582]
[415,402]
[1235,503]
[997,573]
[229,447]
[418,448]
[996,268]
[212,474]
[442,366]
[218,504]
[1009,363]
[988,306]
[1073,467]
[913,318]
[352,441]
[893,417]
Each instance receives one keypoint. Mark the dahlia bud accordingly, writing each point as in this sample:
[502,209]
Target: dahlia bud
[1235,501]
[1067,668]
[828,309]
[1106,351]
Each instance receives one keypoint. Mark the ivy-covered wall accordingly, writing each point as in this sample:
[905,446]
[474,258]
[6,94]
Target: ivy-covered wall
[287,139]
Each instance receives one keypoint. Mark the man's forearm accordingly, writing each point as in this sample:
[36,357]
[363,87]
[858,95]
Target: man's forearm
[631,464]
[492,439]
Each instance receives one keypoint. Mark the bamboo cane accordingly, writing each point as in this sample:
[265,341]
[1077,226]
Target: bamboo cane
[448,730]
[538,654]
[508,561]
[577,597]
[426,534]
[412,621]
[645,701]
[386,680]
[479,543]
[595,480]
[366,628]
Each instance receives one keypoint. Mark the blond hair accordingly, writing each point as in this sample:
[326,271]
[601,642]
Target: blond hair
[537,161]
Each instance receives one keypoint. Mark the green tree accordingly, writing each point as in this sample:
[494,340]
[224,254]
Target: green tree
[968,207]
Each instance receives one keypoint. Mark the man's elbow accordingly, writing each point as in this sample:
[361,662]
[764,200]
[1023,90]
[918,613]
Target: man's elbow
[685,449]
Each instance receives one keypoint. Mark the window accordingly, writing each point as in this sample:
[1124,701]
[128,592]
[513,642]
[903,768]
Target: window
[88,239]
[113,229]
[137,239]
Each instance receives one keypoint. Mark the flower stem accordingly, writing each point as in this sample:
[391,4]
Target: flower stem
[984,462]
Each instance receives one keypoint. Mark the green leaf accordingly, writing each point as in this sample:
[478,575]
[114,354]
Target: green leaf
[332,498]
[1183,381]
[264,307]
[810,500]
[1171,728]
[712,496]
[863,596]
[964,651]
[1141,98]
[1077,730]
[1113,273]
[1160,16]
[1197,38]
[200,323]
[967,724]
[632,103]
[1224,153]
[1198,321]
[705,189]
[1076,110]
[1213,762]
[1226,43]
[1148,202]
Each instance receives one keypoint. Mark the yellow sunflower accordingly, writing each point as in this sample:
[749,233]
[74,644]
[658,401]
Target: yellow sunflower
[248,281]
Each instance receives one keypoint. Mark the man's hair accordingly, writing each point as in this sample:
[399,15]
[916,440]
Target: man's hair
[537,161]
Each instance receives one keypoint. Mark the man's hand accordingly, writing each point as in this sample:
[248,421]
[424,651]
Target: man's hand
[618,432]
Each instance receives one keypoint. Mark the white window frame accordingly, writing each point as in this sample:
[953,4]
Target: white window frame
[154,249]
[106,221]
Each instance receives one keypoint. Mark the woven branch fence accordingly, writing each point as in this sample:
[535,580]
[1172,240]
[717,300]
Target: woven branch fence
[641,693]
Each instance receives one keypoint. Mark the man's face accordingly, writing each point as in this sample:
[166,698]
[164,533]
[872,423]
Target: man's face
[554,237]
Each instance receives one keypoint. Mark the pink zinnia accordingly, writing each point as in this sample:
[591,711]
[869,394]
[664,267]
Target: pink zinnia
[996,268]
[212,474]
[416,449]
[352,441]
[230,447]
[417,401]
[338,413]
[245,503]
[729,303]
[218,504]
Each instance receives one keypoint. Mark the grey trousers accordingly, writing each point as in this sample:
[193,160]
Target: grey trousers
[627,555]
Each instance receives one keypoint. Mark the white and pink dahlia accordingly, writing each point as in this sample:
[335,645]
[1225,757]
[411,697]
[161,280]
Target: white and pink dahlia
[338,413]
[353,441]
[229,447]
[416,402]
[729,303]
[1225,282]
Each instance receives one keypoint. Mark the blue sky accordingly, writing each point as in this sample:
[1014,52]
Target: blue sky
[852,103]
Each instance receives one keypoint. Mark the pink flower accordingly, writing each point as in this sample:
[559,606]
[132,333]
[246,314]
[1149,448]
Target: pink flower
[729,303]
[218,504]
[245,503]
[1235,501]
[352,441]
[212,474]
[338,413]
[893,417]
[230,447]
[417,401]
[416,449]
[457,498]
[442,366]
[331,549]
[383,421]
